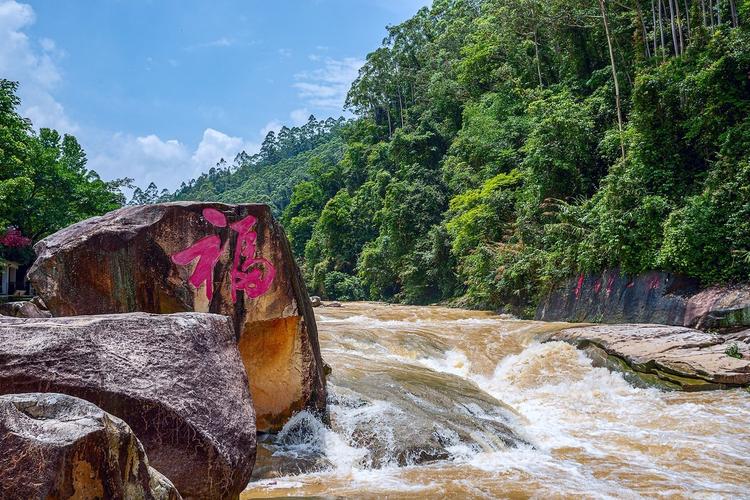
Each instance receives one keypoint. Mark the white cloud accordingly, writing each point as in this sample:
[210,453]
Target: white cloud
[221,42]
[326,87]
[216,145]
[167,163]
[272,126]
[299,116]
[33,66]
[285,52]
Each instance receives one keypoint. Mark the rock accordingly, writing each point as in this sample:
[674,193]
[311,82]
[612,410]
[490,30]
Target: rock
[208,257]
[23,309]
[39,303]
[333,304]
[614,297]
[315,301]
[653,297]
[177,380]
[719,307]
[58,446]
[672,356]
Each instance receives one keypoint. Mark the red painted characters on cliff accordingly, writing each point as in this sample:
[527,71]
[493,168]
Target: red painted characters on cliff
[251,274]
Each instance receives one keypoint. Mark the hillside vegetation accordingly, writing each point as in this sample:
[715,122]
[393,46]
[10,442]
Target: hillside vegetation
[497,152]
[285,159]
[503,145]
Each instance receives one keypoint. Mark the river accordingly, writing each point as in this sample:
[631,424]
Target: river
[430,402]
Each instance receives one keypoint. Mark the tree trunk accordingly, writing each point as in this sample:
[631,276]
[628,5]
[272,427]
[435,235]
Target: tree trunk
[661,31]
[687,19]
[674,28]
[400,107]
[653,21]
[536,54]
[614,75]
[733,12]
[388,114]
[679,26]
[718,12]
[646,49]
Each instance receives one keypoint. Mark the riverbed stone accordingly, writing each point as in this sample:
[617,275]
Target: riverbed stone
[208,257]
[674,356]
[59,446]
[176,379]
[23,309]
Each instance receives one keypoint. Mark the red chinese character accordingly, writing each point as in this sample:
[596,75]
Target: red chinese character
[253,275]
[207,251]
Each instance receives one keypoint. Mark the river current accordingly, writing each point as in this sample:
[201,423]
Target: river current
[430,402]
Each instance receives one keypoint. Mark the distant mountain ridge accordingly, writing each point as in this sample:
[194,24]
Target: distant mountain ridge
[270,175]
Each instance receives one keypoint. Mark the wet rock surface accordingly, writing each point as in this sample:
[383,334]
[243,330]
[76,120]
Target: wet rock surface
[58,446]
[177,380]
[672,356]
[653,297]
[209,257]
[615,297]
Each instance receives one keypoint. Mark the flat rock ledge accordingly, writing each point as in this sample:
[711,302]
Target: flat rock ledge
[667,356]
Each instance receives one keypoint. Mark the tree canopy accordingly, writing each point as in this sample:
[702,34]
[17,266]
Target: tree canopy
[44,182]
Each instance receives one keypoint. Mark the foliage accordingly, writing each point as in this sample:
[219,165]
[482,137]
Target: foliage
[44,182]
[733,351]
[487,164]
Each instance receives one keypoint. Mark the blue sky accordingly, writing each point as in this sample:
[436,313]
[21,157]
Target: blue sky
[161,90]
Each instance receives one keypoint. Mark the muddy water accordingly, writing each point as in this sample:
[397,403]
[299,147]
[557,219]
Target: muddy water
[432,402]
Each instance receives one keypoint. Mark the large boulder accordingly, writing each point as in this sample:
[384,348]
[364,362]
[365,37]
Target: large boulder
[58,446]
[209,257]
[176,379]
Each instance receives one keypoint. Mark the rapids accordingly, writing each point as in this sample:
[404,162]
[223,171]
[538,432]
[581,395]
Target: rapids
[430,402]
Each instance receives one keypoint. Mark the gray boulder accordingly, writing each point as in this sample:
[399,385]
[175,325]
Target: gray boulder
[58,446]
[176,379]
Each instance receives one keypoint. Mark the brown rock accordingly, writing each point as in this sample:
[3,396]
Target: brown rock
[58,446]
[23,309]
[147,258]
[719,307]
[39,303]
[680,357]
[176,379]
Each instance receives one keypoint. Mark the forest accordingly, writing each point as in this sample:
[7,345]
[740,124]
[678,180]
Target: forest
[497,148]
[502,146]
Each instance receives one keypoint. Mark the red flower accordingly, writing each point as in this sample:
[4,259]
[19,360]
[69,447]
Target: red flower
[14,238]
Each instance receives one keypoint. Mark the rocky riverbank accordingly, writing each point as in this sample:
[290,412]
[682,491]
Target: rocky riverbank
[183,327]
[666,356]
[654,297]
